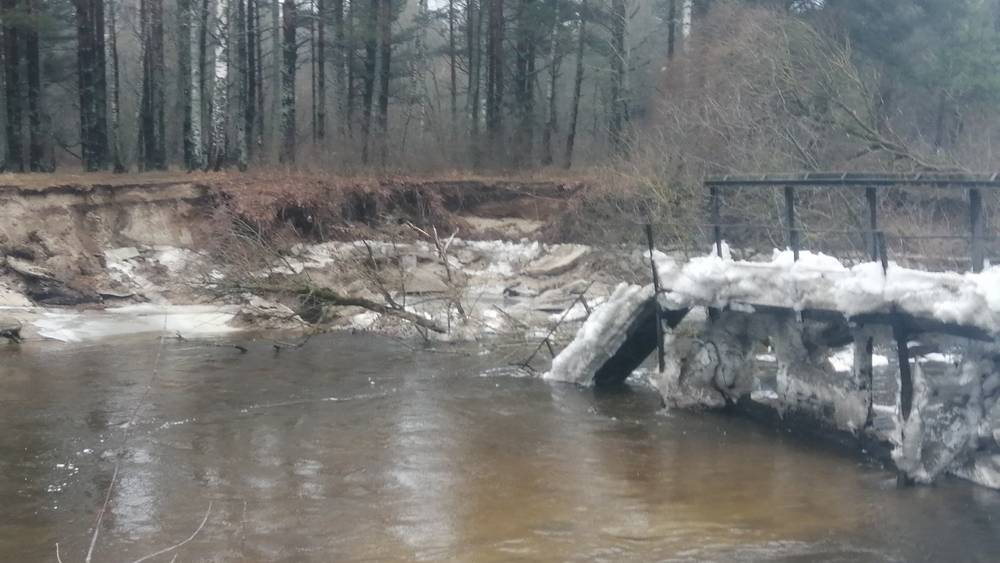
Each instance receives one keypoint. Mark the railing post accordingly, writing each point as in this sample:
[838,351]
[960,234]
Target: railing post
[716,210]
[905,375]
[793,233]
[976,229]
[872,197]
[660,352]
[882,250]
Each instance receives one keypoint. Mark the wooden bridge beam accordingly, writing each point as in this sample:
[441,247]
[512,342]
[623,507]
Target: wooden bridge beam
[910,324]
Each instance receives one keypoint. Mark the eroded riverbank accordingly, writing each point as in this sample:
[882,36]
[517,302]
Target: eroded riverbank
[209,254]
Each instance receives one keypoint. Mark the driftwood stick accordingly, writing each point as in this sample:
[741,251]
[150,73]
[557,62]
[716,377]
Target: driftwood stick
[243,349]
[510,317]
[545,341]
[179,544]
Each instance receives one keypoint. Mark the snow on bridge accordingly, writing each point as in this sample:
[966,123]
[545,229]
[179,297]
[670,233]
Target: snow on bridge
[965,304]
[821,282]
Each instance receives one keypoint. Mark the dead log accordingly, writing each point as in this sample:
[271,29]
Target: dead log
[330,297]
[10,329]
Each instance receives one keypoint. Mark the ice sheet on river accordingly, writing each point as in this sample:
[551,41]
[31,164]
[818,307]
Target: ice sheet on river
[601,335]
[187,320]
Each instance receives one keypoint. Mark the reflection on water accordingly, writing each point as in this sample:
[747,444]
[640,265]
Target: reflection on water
[356,448]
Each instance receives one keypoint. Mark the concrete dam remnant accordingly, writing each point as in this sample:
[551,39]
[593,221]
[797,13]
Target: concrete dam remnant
[902,357]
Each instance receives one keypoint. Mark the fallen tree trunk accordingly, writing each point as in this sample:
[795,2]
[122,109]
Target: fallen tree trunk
[331,297]
[326,296]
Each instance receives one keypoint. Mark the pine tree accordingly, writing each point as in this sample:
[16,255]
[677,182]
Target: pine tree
[290,62]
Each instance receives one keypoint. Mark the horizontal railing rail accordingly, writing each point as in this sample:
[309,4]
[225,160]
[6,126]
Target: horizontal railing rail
[874,235]
[858,180]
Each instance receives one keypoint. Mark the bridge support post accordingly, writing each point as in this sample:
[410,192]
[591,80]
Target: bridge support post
[976,228]
[872,197]
[660,352]
[864,347]
[882,251]
[716,210]
[793,233]
[901,336]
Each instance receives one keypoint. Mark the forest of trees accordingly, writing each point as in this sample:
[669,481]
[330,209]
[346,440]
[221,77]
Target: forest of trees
[498,84]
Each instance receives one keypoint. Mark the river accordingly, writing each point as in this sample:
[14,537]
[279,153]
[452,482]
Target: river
[358,448]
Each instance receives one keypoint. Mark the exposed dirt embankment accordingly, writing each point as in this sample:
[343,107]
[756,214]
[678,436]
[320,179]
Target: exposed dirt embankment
[104,241]
[52,238]
[331,208]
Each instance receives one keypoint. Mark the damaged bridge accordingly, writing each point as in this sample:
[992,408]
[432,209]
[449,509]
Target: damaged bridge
[877,349]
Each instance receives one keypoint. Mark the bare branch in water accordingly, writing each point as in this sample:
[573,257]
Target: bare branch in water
[179,544]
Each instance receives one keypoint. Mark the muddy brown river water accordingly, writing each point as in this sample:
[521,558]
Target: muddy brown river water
[356,448]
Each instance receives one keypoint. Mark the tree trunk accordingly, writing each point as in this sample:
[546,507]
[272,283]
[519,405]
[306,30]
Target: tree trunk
[84,69]
[385,48]
[577,85]
[524,81]
[185,77]
[194,84]
[218,105]
[258,40]
[36,147]
[474,25]
[244,115]
[277,72]
[152,111]
[687,6]
[555,61]
[351,55]
[618,110]
[671,28]
[12,92]
[320,69]
[452,71]
[290,26]
[494,77]
[115,114]
[250,115]
[159,161]
[314,107]
[203,122]
[368,96]
[339,61]
[100,76]
[92,84]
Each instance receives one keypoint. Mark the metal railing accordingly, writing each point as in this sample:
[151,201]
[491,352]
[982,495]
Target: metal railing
[872,184]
